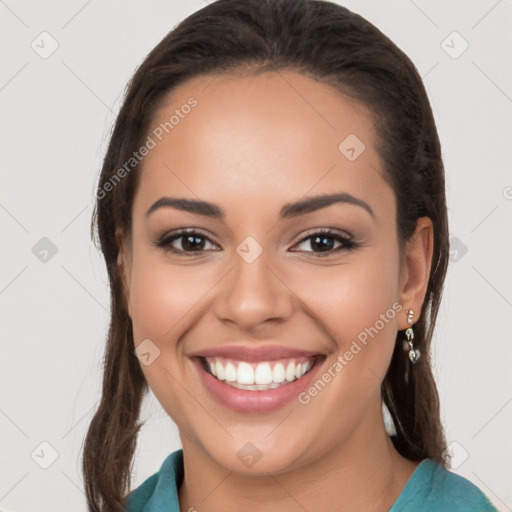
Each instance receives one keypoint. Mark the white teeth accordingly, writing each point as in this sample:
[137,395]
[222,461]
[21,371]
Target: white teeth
[290,372]
[254,387]
[230,372]
[278,374]
[220,370]
[261,376]
[306,366]
[250,387]
[244,374]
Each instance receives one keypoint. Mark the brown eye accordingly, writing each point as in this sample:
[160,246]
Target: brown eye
[324,242]
[187,241]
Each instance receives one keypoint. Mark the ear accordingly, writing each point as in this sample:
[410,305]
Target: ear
[415,270]
[124,265]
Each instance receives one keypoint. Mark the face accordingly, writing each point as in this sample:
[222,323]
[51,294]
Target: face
[274,272]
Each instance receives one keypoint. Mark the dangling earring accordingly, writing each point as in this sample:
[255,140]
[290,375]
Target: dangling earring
[414,354]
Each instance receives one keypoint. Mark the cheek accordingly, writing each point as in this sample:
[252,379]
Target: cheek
[356,304]
[164,297]
[354,296]
[165,302]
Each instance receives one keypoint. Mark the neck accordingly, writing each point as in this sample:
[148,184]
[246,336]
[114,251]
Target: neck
[364,473]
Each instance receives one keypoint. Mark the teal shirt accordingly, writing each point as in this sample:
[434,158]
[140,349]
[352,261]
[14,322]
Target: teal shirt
[430,488]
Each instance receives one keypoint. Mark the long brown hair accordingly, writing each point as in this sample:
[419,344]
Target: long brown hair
[335,46]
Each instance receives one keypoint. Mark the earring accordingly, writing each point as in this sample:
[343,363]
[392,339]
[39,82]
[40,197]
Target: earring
[414,354]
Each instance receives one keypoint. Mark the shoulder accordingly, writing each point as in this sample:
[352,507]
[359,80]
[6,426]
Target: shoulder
[432,488]
[160,488]
[141,495]
[458,493]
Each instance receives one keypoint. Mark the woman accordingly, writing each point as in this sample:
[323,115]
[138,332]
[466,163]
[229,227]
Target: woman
[272,213]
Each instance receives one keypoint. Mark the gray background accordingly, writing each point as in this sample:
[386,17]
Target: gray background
[57,112]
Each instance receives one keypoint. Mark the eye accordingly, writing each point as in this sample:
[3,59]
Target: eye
[325,241]
[185,241]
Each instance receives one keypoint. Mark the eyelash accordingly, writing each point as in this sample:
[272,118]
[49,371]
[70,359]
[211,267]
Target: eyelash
[164,243]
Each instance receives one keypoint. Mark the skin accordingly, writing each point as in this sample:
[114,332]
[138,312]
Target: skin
[251,145]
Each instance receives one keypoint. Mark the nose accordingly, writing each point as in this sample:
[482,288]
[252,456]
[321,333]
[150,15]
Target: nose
[253,293]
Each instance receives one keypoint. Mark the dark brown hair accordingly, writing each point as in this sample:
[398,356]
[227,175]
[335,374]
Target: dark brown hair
[334,46]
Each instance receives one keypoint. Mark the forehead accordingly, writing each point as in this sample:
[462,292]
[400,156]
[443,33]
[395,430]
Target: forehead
[270,138]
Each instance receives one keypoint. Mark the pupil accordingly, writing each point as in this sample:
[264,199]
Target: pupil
[190,243]
[324,240]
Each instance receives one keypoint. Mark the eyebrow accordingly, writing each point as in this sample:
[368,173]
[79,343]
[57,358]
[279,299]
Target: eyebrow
[289,210]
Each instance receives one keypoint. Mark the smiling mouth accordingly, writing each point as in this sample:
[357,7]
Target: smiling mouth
[260,376]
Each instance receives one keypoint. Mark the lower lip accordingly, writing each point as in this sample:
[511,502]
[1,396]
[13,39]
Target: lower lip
[241,400]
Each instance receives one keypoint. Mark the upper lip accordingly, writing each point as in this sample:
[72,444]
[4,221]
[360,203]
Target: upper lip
[252,353]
